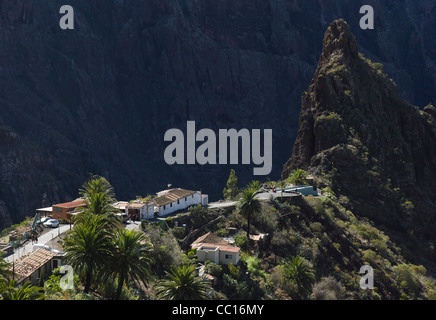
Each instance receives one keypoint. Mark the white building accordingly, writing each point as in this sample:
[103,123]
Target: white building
[140,210]
[216,249]
[172,200]
[137,210]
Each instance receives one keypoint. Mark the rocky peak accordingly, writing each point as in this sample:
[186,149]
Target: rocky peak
[338,40]
[364,142]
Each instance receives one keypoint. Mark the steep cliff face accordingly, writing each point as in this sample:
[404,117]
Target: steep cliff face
[98,99]
[366,143]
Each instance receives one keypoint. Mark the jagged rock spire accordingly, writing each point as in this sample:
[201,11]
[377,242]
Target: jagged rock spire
[364,141]
[338,39]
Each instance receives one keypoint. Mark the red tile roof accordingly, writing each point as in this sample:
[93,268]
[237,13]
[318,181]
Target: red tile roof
[220,246]
[72,204]
[209,238]
[212,240]
[31,262]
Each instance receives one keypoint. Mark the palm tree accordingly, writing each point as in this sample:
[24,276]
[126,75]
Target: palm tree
[249,205]
[183,284]
[298,270]
[255,184]
[97,184]
[5,267]
[298,177]
[88,247]
[99,196]
[11,291]
[131,258]
[99,204]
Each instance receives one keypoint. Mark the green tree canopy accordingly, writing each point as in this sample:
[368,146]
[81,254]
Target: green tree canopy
[5,268]
[182,283]
[88,247]
[11,291]
[231,191]
[249,205]
[301,273]
[131,258]
[298,177]
[97,184]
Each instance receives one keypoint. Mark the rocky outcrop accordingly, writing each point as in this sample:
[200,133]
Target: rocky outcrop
[367,144]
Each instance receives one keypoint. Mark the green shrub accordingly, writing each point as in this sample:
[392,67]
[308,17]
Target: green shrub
[253,266]
[378,66]
[235,289]
[193,253]
[431,294]
[178,232]
[267,220]
[235,271]
[241,241]
[213,268]
[370,256]
[281,283]
[328,289]
[368,233]
[407,204]
[221,232]
[316,227]
[282,243]
[407,277]
[421,270]
[380,245]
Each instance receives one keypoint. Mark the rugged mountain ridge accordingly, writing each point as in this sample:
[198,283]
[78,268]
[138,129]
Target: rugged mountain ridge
[373,149]
[98,99]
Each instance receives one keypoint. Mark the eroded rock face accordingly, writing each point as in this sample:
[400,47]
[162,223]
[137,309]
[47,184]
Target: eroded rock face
[366,143]
[100,98]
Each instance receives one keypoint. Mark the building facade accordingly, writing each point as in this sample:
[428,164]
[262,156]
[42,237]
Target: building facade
[34,265]
[170,201]
[67,210]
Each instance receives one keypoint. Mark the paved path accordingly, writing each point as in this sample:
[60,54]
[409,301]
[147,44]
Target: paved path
[260,195]
[222,204]
[133,225]
[268,195]
[44,239]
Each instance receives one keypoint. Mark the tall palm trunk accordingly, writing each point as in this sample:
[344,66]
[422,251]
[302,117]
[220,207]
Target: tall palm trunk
[248,229]
[88,279]
[120,287]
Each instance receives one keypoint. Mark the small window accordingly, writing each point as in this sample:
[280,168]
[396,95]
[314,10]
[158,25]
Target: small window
[228,256]
[186,199]
[164,207]
[178,201]
[171,205]
[192,196]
